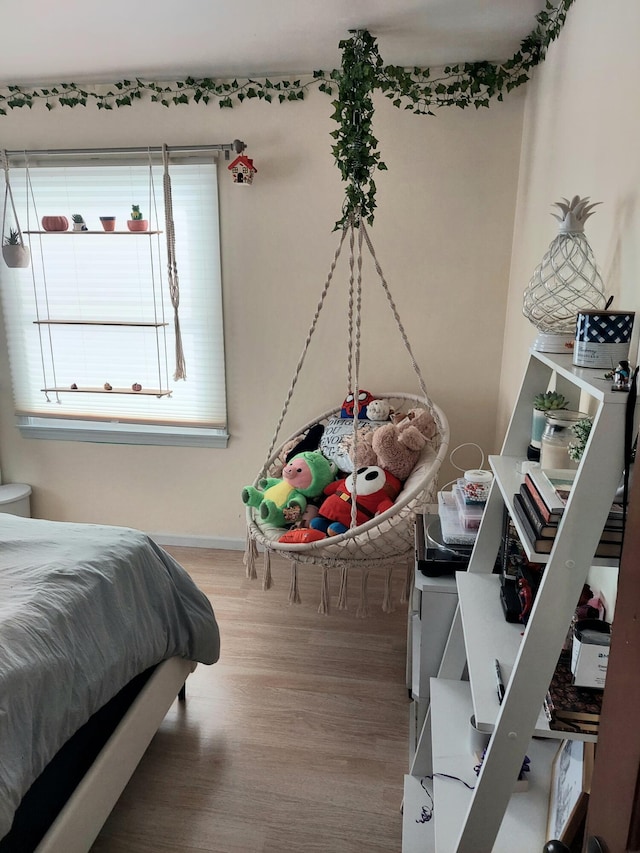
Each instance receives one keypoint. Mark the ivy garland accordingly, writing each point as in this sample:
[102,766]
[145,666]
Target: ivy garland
[361,73]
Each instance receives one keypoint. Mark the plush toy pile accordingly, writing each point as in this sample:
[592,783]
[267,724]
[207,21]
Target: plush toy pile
[312,483]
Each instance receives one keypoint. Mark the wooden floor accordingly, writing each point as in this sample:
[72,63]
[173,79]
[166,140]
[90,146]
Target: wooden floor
[296,741]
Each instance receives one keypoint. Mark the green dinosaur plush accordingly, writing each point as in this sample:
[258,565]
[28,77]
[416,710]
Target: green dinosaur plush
[282,500]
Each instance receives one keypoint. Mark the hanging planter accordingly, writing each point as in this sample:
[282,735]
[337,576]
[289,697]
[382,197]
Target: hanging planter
[14,252]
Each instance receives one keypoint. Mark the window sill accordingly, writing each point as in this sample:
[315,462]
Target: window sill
[114,433]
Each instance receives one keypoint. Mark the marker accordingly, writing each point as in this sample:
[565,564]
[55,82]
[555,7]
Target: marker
[499,681]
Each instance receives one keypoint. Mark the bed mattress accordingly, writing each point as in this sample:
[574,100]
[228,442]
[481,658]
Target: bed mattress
[84,608]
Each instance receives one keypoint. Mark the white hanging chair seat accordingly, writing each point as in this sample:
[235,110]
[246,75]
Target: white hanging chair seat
[383,541]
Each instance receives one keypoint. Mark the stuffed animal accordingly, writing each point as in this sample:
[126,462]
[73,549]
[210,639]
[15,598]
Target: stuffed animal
[376,490]
[378,410]
[350,405]
[398,445]
[306,441]
[305,476]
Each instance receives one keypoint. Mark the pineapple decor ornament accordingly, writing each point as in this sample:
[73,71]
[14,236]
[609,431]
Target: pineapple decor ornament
[566,282]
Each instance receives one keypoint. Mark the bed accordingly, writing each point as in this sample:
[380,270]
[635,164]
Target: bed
[93,619]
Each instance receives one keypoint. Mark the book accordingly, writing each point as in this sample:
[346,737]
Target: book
[548,529]
[551,508]
[553,486]
[543,545]
[571,708]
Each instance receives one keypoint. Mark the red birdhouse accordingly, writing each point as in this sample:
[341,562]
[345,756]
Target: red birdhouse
[242,170]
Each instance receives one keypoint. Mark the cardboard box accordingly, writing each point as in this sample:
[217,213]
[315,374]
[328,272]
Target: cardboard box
[590,653]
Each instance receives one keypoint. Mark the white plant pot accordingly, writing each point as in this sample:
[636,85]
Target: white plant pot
[16,256]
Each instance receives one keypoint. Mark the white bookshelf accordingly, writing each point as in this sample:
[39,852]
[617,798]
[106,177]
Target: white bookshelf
[491,817]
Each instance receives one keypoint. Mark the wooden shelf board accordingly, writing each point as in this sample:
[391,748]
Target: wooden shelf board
[488,636]
[526,816]
[80,233]
[149,392]
[98,323]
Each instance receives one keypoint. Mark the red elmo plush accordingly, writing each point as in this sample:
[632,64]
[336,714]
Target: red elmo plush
[376,490]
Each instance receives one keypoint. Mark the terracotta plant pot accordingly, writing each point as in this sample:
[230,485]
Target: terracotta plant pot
[137,224]
[108,223]
[55,223]
[16,256]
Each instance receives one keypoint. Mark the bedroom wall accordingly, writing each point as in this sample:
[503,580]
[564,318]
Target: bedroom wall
[443,235]
[580,135]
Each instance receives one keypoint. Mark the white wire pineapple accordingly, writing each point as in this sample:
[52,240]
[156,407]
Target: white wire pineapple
[567,280]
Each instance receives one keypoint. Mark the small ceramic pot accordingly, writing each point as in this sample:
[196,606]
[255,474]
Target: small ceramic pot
[137,224]
[108,223]
[16,256]
[55,223]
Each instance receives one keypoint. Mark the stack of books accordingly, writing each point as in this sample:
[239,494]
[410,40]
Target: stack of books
[539,506]
[569,708]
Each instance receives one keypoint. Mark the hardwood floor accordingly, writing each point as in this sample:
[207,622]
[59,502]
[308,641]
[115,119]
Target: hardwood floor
[295,741]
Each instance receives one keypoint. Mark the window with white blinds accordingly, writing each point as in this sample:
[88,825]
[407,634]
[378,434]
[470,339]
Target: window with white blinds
[93,309]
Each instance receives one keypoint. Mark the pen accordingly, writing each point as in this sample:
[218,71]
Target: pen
[499,681]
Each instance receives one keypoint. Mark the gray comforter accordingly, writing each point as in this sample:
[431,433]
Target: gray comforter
[83,609]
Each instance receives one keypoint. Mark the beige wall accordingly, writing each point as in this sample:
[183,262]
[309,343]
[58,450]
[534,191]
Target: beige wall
[580,136]
[443,235]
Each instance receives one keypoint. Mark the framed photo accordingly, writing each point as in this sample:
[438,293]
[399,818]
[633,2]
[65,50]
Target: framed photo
[571,773]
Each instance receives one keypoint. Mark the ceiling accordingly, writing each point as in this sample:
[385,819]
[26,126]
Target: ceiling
[86,41]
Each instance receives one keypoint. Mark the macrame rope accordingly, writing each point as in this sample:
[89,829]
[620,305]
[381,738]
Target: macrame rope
[304,352]
[8,196]
[172,267]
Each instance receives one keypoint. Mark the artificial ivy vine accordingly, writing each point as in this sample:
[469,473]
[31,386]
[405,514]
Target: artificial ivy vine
[362,72]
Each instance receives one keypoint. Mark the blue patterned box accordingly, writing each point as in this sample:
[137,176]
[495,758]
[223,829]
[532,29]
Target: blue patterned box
[602,338]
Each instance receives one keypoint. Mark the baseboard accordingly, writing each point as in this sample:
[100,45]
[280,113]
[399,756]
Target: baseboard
[219,542]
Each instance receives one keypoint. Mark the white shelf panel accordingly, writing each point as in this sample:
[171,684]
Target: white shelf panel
[588,379]
[524,824]
[488,636]
[509,481]
[417,837]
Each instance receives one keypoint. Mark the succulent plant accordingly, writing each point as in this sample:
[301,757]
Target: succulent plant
[135,212]
[13,238]
[77,217]
[550,401]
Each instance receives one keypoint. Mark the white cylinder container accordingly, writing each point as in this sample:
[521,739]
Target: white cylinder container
[15,499]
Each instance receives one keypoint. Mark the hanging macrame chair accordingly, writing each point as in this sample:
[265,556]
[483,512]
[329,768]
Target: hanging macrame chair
[387,540]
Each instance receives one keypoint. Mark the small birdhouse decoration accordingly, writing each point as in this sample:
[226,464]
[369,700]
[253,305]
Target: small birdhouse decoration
[242,170]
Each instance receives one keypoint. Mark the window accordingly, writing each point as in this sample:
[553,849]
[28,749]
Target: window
[93,309]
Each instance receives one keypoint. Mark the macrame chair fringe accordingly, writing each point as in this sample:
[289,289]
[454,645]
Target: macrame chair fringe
[267,580]
[405,595]
[325,599]
[363,604]
[343,603]
[294,593]
[387,601]
[250,557]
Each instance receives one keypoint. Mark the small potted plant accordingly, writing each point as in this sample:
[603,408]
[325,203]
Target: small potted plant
[137,223]
[14,252]
[549,401]
[78,222]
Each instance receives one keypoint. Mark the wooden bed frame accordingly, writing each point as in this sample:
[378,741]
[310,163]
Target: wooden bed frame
[79,822]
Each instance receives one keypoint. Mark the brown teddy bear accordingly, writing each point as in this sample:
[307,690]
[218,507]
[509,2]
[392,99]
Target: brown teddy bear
[397,446]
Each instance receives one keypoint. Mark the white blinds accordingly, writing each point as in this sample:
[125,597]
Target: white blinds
[101,298]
